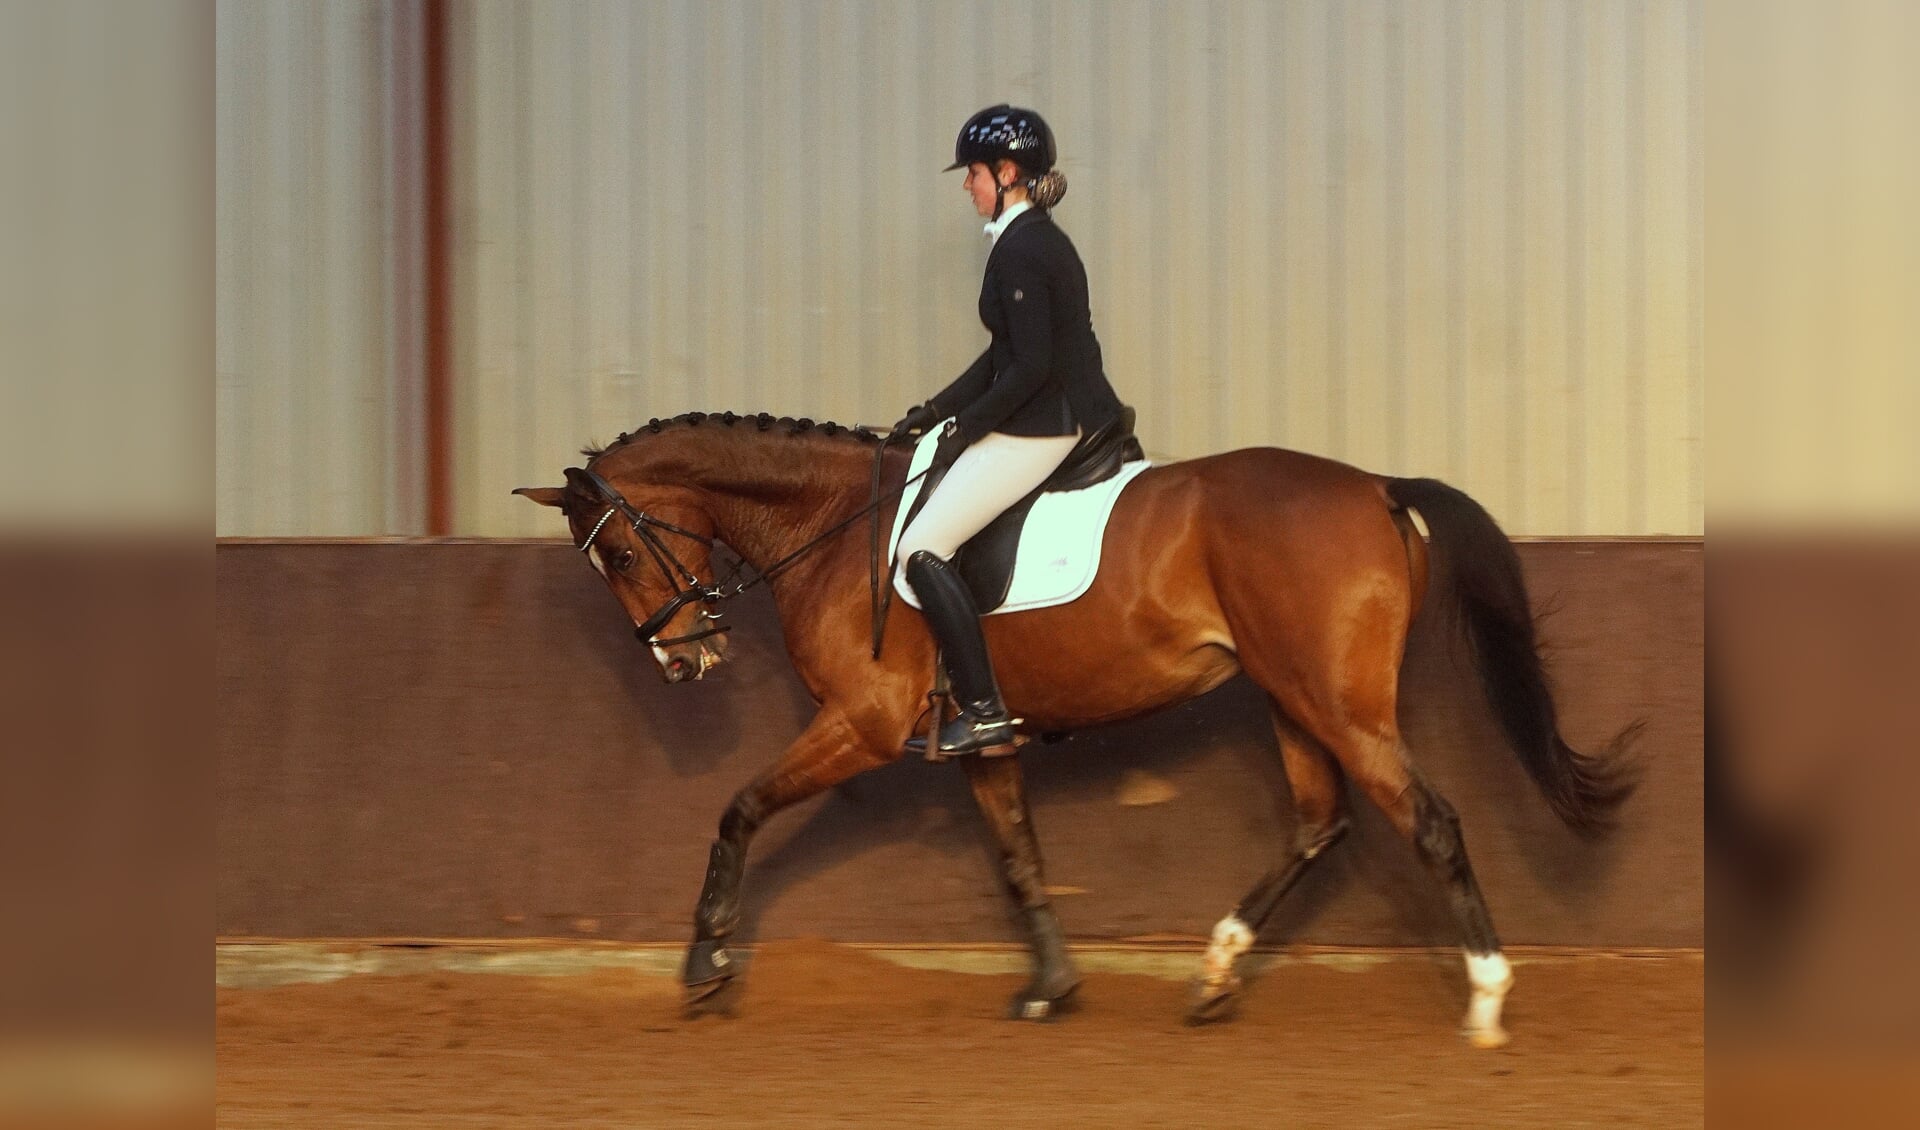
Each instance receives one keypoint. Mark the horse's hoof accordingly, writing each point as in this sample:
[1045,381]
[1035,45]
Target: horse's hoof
[1033,1004]
[1211,1003]
[710,998]
[707,961]
[707,974]
[1487,1039]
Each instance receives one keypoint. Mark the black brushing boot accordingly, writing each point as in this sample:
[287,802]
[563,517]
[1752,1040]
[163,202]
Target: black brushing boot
[948,606]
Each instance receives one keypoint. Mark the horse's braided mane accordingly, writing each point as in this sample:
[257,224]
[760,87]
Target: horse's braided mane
[760,421]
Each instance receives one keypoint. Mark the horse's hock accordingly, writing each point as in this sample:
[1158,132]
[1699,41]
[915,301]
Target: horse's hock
[465,743]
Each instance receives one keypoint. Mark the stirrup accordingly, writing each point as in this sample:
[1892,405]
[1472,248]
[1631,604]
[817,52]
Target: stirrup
[967,734]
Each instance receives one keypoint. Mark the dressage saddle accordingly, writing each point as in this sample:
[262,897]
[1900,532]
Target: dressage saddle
[986,561]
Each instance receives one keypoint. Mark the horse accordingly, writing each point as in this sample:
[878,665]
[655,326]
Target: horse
[1301,572]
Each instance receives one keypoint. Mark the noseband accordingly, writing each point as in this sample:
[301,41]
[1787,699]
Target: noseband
[646,527]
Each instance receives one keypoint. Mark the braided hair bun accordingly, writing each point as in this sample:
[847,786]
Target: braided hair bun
[1046,189]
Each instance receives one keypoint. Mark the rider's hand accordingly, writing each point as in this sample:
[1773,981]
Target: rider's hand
[918,419]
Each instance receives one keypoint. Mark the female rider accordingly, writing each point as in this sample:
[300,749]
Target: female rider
[1017,411]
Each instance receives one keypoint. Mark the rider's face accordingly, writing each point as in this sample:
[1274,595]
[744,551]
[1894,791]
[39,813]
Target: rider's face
[979,185]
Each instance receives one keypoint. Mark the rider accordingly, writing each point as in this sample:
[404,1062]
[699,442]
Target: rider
[1017,411]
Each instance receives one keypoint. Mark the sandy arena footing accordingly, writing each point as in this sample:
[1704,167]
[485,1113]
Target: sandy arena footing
[420,1035]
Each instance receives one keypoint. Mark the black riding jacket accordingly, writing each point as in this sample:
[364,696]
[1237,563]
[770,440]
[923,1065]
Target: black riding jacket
[1041,375]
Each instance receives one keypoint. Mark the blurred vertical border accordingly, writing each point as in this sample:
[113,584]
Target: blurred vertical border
[106,372]
[1813,362]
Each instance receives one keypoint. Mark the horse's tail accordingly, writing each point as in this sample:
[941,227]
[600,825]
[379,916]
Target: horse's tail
[1488,598]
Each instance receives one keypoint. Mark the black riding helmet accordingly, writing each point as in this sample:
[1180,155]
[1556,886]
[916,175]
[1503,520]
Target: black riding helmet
[1020,136]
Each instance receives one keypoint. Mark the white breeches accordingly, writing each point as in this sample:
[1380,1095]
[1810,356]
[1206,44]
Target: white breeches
[992,474]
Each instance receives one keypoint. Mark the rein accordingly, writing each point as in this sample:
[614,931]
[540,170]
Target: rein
[879,596]
[675,571]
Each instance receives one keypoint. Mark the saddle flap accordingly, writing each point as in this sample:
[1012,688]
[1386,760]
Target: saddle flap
[1075,501]
[987,560]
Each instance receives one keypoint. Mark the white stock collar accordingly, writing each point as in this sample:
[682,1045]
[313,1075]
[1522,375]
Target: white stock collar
[999,226]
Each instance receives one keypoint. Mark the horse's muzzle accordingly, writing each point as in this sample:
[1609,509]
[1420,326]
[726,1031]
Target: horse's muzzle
[689,662]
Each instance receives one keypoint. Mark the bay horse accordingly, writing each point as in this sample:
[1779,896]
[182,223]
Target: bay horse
[1301,572]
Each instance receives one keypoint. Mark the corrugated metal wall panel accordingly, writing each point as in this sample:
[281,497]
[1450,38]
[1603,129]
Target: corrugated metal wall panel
[1446,239]
[302,293]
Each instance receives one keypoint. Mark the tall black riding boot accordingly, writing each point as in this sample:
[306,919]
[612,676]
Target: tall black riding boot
[983,721]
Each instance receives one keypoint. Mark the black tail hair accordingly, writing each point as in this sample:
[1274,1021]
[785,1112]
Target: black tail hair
[1489,598]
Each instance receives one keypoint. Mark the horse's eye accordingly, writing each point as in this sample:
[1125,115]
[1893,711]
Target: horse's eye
[624,561]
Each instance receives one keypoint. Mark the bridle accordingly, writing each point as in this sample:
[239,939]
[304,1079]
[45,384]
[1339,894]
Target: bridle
[648,529]
[689,588]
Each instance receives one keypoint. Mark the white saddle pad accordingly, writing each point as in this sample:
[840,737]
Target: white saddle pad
[1059,545]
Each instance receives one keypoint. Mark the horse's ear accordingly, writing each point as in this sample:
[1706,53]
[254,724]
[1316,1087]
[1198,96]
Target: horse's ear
[545,496]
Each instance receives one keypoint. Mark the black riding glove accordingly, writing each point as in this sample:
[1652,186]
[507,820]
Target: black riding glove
[918,419]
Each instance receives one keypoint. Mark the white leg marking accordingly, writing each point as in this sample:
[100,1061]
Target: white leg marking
[1231,938]
[1491,977]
